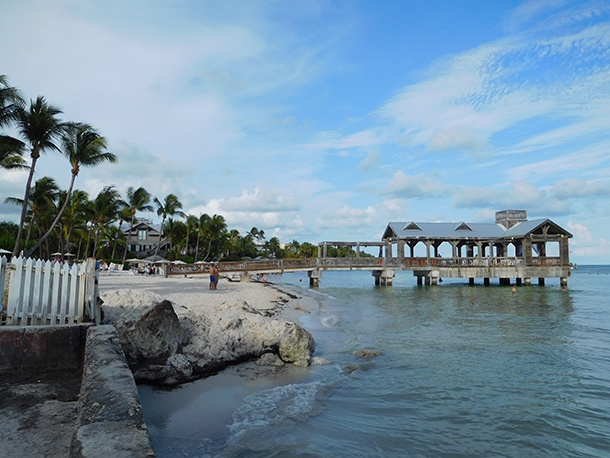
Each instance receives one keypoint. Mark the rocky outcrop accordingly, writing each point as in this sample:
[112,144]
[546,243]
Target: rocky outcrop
[167,349]
[154,337]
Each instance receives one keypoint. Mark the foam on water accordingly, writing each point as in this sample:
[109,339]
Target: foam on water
[279,406]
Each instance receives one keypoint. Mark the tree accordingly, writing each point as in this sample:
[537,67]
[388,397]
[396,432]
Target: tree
[137,201]
[192,227]
[273,248]
[214,230]
[83,146]
[11,149]
[43,196]
[76,214]
[169,207]
[104,212]
[307,250]
[40,127]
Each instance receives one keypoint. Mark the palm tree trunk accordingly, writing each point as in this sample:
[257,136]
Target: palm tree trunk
[26,199]
[133,215]
[27,236]
[160,235]
[116,239]
[57,218]
[197,247]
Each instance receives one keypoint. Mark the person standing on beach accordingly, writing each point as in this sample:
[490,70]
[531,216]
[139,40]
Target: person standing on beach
[212,277]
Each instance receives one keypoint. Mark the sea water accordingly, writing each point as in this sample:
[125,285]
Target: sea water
[463,370]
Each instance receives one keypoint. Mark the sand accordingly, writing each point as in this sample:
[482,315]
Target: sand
[191,294]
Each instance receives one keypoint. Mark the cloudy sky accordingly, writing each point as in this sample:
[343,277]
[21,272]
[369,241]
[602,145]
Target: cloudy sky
[325,120]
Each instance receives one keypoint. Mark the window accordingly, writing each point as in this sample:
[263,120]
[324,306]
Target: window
[142,235]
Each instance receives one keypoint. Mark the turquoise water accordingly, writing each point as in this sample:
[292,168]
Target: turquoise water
[464,371]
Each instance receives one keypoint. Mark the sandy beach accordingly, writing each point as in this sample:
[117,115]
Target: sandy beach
[191,294]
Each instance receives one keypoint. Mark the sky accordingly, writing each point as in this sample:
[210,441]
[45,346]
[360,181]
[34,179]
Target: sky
[325,120]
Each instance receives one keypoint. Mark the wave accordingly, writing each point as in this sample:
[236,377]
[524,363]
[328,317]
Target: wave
[282,406]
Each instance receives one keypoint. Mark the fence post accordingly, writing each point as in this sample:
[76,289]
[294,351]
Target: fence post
[13,312]
[3,283]
[92,308]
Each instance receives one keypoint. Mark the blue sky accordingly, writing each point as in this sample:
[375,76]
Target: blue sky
[325,120]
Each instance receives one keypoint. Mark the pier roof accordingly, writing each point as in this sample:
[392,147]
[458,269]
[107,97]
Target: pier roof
[463,230]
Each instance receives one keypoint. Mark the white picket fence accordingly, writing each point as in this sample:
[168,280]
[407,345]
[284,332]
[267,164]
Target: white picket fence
[37,292]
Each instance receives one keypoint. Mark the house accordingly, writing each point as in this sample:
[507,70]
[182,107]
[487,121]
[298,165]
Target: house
[144,236]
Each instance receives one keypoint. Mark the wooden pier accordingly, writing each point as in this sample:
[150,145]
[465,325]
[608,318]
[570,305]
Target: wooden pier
[512,250]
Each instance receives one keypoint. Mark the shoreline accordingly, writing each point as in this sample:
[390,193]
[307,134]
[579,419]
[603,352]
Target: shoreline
[127,297]
[193,293]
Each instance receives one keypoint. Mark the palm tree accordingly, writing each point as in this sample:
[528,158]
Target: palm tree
[216,230]
[11,149]
[175,230]
[138,201]
[75,215]
[105,211]
[192,226]
[83,146]
[124,216]
[43,196]
[40,127]
[169,207]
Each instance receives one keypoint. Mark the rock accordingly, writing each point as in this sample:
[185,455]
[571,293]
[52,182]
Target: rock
[181,363]
[296,345]
[366,353]
[154,337]
[269,359]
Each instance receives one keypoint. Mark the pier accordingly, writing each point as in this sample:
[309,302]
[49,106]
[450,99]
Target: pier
[512,250]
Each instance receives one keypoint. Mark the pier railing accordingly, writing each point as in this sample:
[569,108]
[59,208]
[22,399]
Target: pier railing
[356,262]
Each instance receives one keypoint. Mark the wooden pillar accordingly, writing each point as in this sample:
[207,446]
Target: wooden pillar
[314,277]
[564,251]
[486,281]
[518,281]
[541,281]
[471,281]
[420,280]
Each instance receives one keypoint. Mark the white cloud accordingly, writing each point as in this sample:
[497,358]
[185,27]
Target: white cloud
[405,186]
[371,161]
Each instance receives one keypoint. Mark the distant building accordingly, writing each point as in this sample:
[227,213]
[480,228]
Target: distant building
[510,247]
[144,236]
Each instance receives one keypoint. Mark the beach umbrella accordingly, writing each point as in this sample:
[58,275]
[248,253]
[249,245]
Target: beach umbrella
[178,261]
[136,261]
[69,255]
[156,260]
[57,253]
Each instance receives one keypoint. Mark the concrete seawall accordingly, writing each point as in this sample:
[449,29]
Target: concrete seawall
[103,419]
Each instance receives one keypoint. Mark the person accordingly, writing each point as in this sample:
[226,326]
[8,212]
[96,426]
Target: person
[212,277]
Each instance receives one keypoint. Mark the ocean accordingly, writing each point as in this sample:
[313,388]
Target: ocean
[473,371]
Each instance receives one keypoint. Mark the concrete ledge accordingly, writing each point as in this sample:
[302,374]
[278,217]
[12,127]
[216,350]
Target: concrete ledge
[110,420]
[39,349]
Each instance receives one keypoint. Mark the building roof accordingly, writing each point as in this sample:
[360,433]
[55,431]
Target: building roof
[461,230]
[140,224]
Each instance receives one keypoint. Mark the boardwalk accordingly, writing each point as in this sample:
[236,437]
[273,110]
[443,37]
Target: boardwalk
[427,269]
